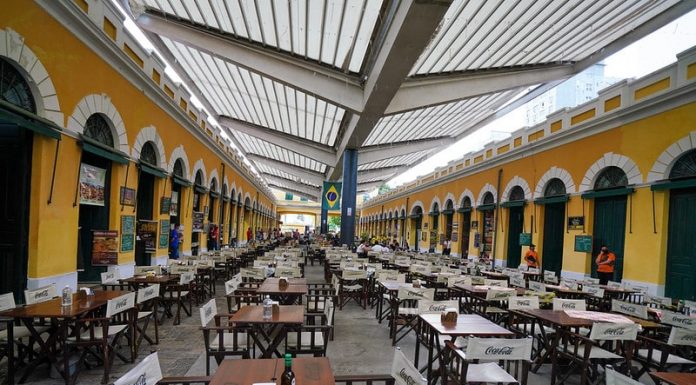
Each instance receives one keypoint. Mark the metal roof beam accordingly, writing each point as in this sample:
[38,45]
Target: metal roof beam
[379,152]
[377,172]
[293,143]
[295,192]
[369,186]
[437,89]
[300,172]
[291,184]
[409,28]
[332,86]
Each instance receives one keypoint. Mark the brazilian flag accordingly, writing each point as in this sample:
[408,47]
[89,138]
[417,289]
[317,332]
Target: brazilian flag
[331,196]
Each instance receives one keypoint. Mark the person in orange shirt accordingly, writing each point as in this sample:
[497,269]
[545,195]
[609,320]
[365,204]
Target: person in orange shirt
[531,257]
[605,265]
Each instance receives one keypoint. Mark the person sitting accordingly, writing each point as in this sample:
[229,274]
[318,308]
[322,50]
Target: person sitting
[362,249]
[377,248]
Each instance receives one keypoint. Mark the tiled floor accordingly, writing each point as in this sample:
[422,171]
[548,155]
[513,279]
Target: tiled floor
[361,346]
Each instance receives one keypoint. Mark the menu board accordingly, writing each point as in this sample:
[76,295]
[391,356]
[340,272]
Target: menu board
[583,243]
[488,222]
[164,234]
[147,233]
[104,247]
[525,239]
[165,205]
[127,233]
[197,226]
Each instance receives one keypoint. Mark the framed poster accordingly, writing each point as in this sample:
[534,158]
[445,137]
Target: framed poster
[474,225]
[576,223]
[165,205]
[455,236]
[147,233]
[127,196]
[104,247]
[197,226]
[425,225]
[164,234]
[174,204]
[92,181]
[127,233]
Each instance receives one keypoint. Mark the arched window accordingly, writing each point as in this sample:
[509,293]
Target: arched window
[685,166]
[554,187]
[14,89]
[466,203]
[488,198]
[224,190]
[417,210]
[97,128]
[611,177]
[436,209]
[179,168]
[199,178]
[516,194]
[213,185]
[148,154]
[449,205]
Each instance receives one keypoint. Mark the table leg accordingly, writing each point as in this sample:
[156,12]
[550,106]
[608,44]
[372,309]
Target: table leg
[10,353]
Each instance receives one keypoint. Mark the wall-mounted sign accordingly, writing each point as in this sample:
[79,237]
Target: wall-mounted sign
[104,247]
[164,234]
[147,233]
[474,225]
[92,181]
[165,205]
[425,225]
[525,239]
[197,225]
[174,204]
[127,196]
[455,236]
[583,243]
[576,223]
[127,233]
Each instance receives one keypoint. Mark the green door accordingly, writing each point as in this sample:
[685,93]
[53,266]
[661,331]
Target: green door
[466,229]
[554,226]
[515,223]
[681,247]
[92,218]
[610,229]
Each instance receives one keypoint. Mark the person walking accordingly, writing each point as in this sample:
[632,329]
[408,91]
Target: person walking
[174,242]
[249,234]
[605,265]
[531,257]
[446,247]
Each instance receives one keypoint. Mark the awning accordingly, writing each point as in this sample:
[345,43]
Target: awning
[200,189]
[434,212]
[673,184]
[464,209]
[240,203]
[152,170]
[517,203]
[487,207]
[415,216]
[214,194]
[233,200]
[608,193]
[11,115]
[179,180]
[98,149]
[554,199]
[448,211]
[248,207]
[403,216]
[225,198]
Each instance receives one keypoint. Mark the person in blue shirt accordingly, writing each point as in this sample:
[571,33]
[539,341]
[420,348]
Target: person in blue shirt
[174,242]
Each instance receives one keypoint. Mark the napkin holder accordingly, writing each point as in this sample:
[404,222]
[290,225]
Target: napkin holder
[417,284]
[282,283]
[275,309]
[449,316]
[87,291]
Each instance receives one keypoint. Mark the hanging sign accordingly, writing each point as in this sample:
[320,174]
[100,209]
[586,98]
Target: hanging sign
[174,204]
[331,196]
[197,222]
[165,205]
[164,234]
[127,196]
[474,225]
[525,239]
[147,233]
[455,236]
[127,233]
[104,247]
[92,180]
[576,223]
[583,243]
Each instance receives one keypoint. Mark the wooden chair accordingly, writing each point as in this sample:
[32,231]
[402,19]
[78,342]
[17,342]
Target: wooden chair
[239,294]
[222,339]
[147,301]
[405,310]
[313,337]
[615,378]
[589,356]
[487,360]
[678,351]
[178,294]
[98,337]
[352,285]
[148,371]
[110,280]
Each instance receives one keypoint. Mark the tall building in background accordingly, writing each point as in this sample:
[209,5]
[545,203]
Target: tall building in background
[574,91]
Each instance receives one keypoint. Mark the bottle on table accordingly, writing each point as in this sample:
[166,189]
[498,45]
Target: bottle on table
[267,308]
[288,377]
[66,298]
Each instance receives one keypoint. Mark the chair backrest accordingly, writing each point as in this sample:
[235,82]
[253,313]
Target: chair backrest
[614,284]
[495,282]
[147,372]
[594,291]
[41,294]
[682,337]
[523,303]
[139,270]
[499,349]
[7,301]
[494,294]
[523,267]
[416,293]
[518,282]
[232,285]
[615,378]
[660,301]
[628,308]
[354,274]
[404,372]
[108,277]
[286,264]
[458,280]
[180,269]
[291,272]
[185,278]
[420,269]
[590,281]
[569,304]
[253,273]
[569,283]
[208,312]
[678,319]
[329,309]
[391,275]
[120,304]
[350,265]
[147,293]
[636,287]
[436,307]
[477,280]
[537,286]
[550,276]
[604,331]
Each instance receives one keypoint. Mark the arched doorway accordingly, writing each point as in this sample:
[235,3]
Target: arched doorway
[487,209]
[416,227]
[515,206]
[239,223]
[247,220]
[145,248]
[434,227]
[199,191]
[15,178]
[223,212]
[213,195]
[94,211]
[232,231]
[681,248]
[609,226]
[554,225]
[448,212]
[465,211]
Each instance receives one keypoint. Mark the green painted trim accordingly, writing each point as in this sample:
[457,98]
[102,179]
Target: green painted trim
[447,211]
[488,207]
[464,210]
[434,213]
[152,170]
[519,203]
[549,200]
[671,185]
[200,189]
[608,193]
[13,115]
[215,194]
[103,152]
[415,216]
[179,180]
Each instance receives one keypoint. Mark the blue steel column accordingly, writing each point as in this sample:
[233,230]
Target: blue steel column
[350,188]
[324,225]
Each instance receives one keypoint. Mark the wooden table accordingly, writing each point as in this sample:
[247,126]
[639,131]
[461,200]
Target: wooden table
[308,371]
[675,378]
[268,340]
[292,294]
[139,281]
[430,328]
[495,275]
[566,293]
[60,318]
[617,292]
